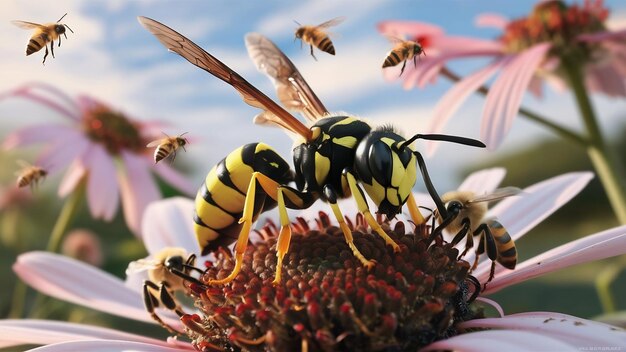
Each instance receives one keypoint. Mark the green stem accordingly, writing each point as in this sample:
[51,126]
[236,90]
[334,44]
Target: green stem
[609,169]
[67,214]
[531,115]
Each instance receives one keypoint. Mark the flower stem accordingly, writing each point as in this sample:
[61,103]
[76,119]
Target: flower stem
[67,214]
[609,169]
[531,115]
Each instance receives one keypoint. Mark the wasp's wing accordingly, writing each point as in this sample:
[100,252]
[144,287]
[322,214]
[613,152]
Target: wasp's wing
[497,195]
[154,143]
[335,21]
[293,91]
[184,47]
[27,25]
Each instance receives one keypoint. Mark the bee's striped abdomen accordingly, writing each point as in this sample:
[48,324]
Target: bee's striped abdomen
[392,59]
[162,151]
[36,43]
[507,254]
[221,198]
[324,44]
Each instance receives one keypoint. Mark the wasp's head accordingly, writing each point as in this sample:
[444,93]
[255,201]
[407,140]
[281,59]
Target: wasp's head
[387,171]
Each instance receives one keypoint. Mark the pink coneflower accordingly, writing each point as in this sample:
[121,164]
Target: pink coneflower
[102,147]
[380,311]
[552,40]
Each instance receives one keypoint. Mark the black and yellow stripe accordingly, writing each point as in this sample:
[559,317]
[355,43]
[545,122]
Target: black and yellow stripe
[220,200]
[325,44]
[392,59]
[162,151]
[36,43]
[507,254]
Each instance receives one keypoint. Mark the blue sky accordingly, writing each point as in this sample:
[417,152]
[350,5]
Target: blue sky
[111,57]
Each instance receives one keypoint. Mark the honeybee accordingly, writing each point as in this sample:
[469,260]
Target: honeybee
[404,50]
[30,174]
[334,157]
[466,218]
[44,34]
[317,36]
[167,273]
[167,146]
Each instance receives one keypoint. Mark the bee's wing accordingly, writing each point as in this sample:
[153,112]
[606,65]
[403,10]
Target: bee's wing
[184,47]
[394,39]
[23,164]
[27,25]
[497,195]
[140,265]
[154,143]
[293,91]
[335,21]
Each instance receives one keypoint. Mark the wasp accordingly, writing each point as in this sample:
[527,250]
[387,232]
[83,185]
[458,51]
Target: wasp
[403,50]
[167,146]
[167,272]
[317,36]
[466,218]
[44,34]
[333,157]
[30,174]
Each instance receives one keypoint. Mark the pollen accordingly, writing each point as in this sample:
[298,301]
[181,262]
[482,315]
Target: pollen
[112,129]
[327,300]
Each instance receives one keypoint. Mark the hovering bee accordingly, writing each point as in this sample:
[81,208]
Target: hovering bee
[331,157]
[44,34]
[30,174]
[317,36]
[167,146]
[466,212]
[404,50]
[167,273]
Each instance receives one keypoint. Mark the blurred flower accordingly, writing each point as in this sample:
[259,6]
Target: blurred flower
[102,146]
[326,301]
[529,49]
[14,197]
[84,245]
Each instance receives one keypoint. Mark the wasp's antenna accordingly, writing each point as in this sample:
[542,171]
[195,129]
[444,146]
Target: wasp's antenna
[443,137]
[62,18]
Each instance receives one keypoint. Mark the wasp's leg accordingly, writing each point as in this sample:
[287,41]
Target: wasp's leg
[331,197]
[151,302]
[285,197]
[361,203]
[416,215]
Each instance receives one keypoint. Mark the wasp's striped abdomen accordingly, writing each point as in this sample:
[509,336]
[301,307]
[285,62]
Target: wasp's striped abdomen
[507,254]
[221,198]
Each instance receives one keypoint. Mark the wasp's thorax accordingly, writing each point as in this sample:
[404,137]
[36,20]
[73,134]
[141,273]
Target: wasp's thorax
[322,160]
[388,173]
[112,129]
[560,24]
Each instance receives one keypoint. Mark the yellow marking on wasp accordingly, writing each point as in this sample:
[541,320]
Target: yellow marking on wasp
[392,196]
[347,141]
[346,121]
[407,183]
[322,166]
[225,196]
[376,191]
[397,170]
[240,177]
[204,235]
[219,218]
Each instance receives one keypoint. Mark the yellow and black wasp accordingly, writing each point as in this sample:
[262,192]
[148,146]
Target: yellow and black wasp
[331,158]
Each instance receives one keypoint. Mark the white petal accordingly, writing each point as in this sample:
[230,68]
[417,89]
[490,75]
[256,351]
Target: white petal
[500,340]
[169,223]
[105,346]
[483,181]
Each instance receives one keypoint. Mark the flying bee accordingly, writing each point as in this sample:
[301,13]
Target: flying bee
[167,272]
[30,174]
[334,157]
[167,146]
[404,50]
[317,36]
[44,34]
[466,218]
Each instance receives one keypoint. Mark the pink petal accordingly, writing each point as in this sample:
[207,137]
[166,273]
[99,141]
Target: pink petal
[138,189]
[62,152]
[168,223]
[175,178]
[102,187]
[104,346]
[408,28]
[603,36]
[452,100]
[491,303]
[497,341]
[602,245]
[74,281]
[575,331]
[460,44]
[483,181]
[37,92]
[522,213]
[37,134]
[73,176]
[43,332]
[606,79]
[536,86]
[492,20]
[505,96]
